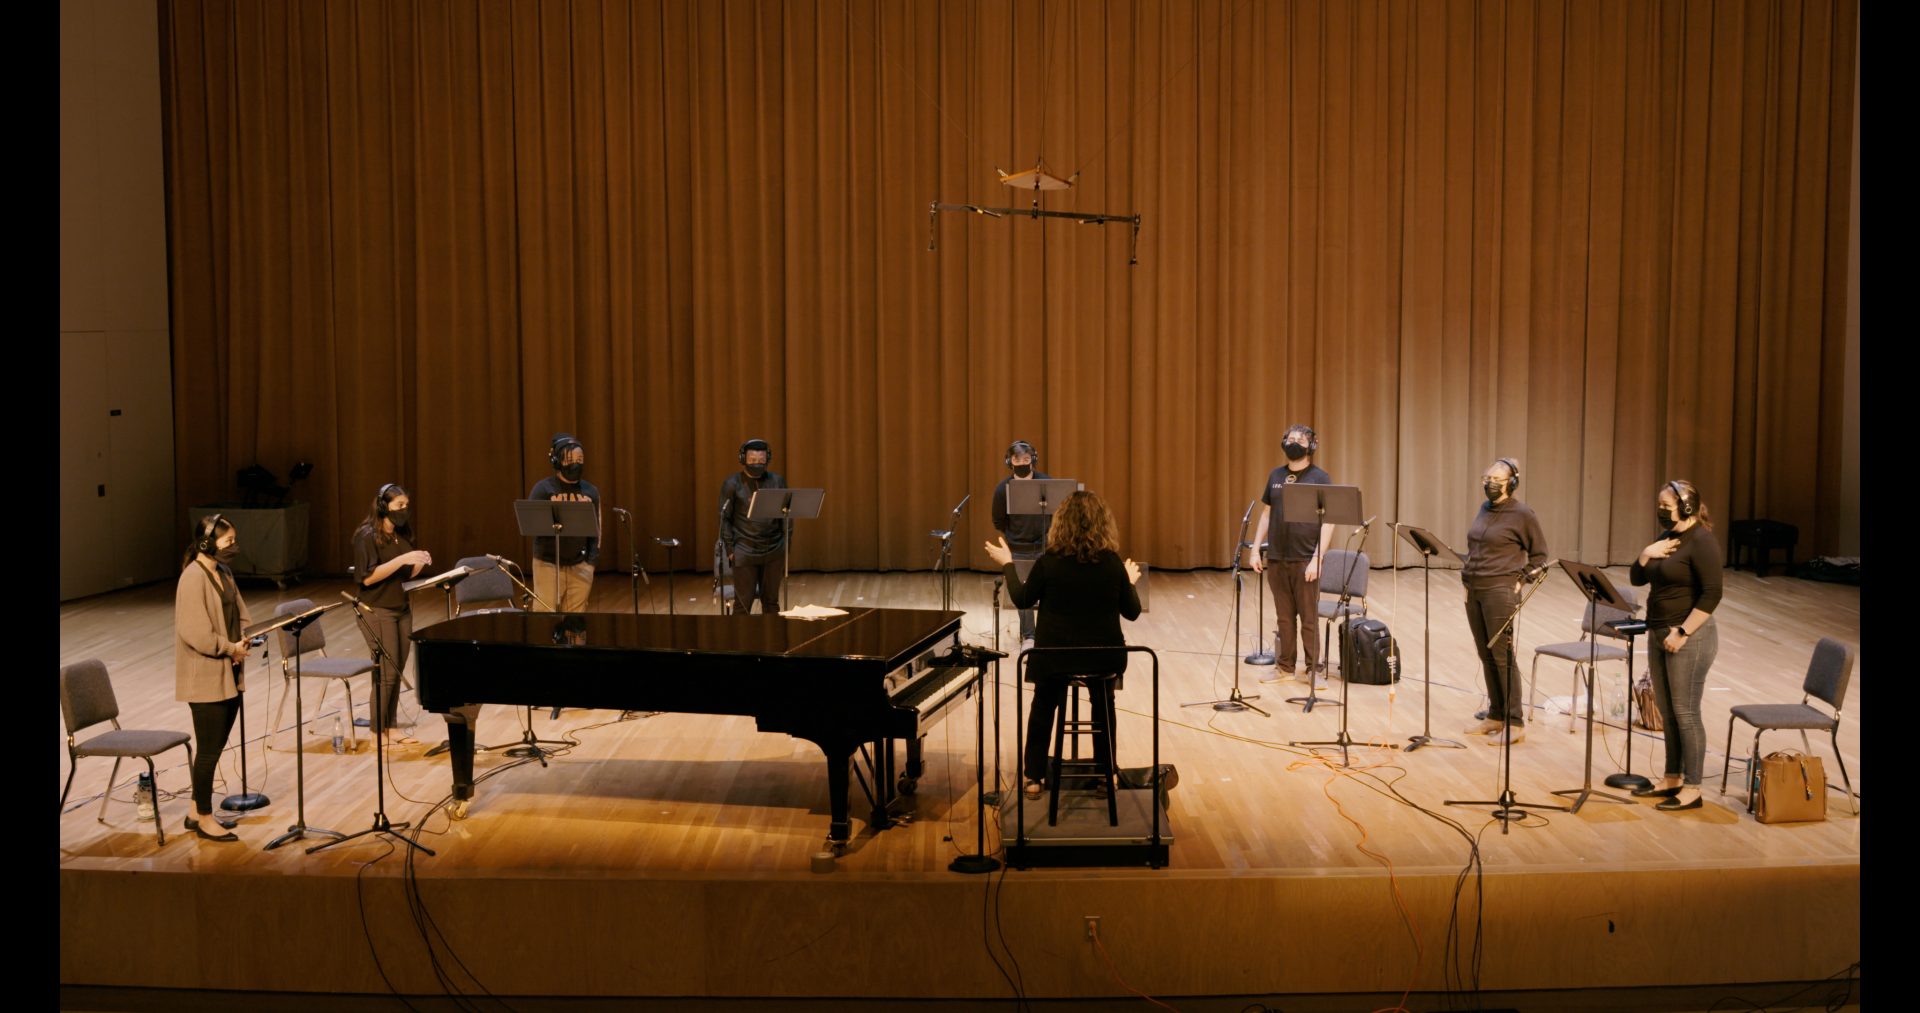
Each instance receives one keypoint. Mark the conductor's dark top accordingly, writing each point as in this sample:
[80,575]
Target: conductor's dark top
[1081,605]
[1687,580]
[1026,533]
[749,539]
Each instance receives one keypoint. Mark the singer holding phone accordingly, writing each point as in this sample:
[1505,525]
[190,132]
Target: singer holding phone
[1505,548]
[384,559]
[1683,565]
[208,658]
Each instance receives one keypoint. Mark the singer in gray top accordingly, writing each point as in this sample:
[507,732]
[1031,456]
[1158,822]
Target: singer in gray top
[1505,546]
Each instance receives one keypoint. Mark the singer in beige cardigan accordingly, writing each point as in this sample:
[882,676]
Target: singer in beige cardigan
[209,652]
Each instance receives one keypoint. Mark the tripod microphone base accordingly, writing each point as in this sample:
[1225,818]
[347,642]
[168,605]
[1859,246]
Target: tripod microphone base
[1507,810]
[990,799]
[441,748]
[1259,658]
[1428,740]
[974,864]
[300,831]
[1307,702]
[380,826]
[1583,795]
[244,802]
[1234,702]
[1633,781]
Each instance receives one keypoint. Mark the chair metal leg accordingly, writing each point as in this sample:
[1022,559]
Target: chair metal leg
[1805,745]
[286,690]
[1753,766]
[1573,702]
[105,795]
[1054,765]
[1533,687]
[1726,755]
[353,730]
[159,825]
[1844,779]
[1112,768]
[73,767]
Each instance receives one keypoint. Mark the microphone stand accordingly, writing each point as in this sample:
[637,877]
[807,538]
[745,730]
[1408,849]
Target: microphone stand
[979,861]
[1343,740]
[1235,700]
[992,798]
[380,823]
[529,744]
[946,554]
[1260,655]
[1426,737]
[1507,807]
[246,800]
[635,572]
[670,544]
[299,830]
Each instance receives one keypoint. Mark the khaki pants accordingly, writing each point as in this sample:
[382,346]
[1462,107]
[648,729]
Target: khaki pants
[570,598]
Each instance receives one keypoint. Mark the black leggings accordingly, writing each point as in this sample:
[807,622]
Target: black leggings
[212,723]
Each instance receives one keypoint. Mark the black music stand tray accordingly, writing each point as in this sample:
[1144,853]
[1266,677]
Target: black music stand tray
[1327,504]
[294,622]
[554,518]
[1031,496]
[1599,591]
[1428,546]
[786,506]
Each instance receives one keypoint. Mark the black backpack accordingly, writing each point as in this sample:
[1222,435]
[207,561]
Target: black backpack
[1370,657]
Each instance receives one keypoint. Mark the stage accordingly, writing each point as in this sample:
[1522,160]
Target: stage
[673,854]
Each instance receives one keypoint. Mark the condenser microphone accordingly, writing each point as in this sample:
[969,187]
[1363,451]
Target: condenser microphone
[357,604]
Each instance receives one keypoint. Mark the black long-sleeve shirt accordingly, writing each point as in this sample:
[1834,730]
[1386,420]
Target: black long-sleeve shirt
[1026,533]
[1504,540]
[573,550]
[749,540]
[1081,605]
[1686,580]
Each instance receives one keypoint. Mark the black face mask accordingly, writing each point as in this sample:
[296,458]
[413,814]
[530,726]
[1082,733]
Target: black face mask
[572,472]
[1666,520]
[756,470]
[399,517]
[1294,451]
[1494,491]
[1023,470]
[226,554]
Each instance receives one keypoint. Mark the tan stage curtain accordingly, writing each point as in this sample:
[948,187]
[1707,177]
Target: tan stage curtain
[411,239]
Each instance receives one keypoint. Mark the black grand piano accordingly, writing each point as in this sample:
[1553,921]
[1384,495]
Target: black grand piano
[850,684]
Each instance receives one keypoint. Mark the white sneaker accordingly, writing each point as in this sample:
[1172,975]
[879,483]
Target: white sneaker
[1487,726]
[1517,734]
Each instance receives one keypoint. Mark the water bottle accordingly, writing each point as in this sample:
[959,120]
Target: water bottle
[143,797]
[339,738]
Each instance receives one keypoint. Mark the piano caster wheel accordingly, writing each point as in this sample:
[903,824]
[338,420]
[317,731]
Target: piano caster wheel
[458,810]
[908,784]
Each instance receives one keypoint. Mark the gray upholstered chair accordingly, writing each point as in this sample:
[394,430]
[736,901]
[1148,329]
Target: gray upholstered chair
[1606,647]
[487,583]
[86,699]
[315,664]
[1828,674]
[1341,572]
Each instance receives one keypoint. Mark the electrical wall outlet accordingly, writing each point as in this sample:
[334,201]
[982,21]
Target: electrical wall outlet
[1093,927]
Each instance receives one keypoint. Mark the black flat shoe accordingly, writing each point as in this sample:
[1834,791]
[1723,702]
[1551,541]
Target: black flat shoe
[194,826]
[1652,792]
[228,822]
[1673,806]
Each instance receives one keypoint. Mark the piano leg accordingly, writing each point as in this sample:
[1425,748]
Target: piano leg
[910,779]
[460,750]
[839,770]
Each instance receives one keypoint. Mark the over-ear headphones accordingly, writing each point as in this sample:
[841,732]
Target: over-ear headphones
[1016,447]
[557,450]
[756,444]
[1686,498]
[1513,469]
[1313,438]
[208,536]
[380,500]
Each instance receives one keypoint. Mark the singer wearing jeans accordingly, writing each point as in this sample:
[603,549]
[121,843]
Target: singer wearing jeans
[1504,545]
[208,655]
[1683,567]
[384,559]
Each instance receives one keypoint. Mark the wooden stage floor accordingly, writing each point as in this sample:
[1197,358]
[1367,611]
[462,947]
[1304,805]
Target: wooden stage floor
[671,855]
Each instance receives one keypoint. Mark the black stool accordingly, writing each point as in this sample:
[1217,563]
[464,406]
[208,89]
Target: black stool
[1759,538]
[1101,727]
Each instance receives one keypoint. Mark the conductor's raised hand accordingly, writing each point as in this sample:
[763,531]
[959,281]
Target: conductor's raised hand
[1133,572]
[998,552]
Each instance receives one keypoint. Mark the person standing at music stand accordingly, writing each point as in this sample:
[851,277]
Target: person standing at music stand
[1504,546]
[209,651]
[384,558]
[1292,559]
[568,579]
[1683,566]
[757,549]
[1025,534]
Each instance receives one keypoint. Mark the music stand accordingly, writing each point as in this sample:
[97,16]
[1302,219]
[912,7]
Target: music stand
[380,823]
[1344,614]
[786,505]
[946,554]
[1507,806]
[1235,700]
[1328,504]
[1599,591]
[553,518]
[1429,546]
[1039,495]
[294,622]
[979,659]
[1628,628]
[244,800]
[669,544]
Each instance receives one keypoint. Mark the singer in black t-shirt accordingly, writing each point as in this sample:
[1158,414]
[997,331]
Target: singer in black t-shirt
[1683,566]
[578,556]
[1292,559]
[384,559]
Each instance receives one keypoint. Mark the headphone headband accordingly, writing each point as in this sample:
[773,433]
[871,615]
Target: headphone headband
[1686,497]
[1016,447]
[756,443]
[1513,470]
[1313,438]
[557,449]
[209,533]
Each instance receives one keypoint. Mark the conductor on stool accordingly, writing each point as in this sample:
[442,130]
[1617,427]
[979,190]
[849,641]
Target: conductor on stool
[1083,589]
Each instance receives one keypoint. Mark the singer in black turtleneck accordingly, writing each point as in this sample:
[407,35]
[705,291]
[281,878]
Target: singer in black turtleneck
[384,559]
[1504,546]
[757,549]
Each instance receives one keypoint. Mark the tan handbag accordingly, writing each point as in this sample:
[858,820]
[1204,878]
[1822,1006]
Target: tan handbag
[1793,788]
[1648,708]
